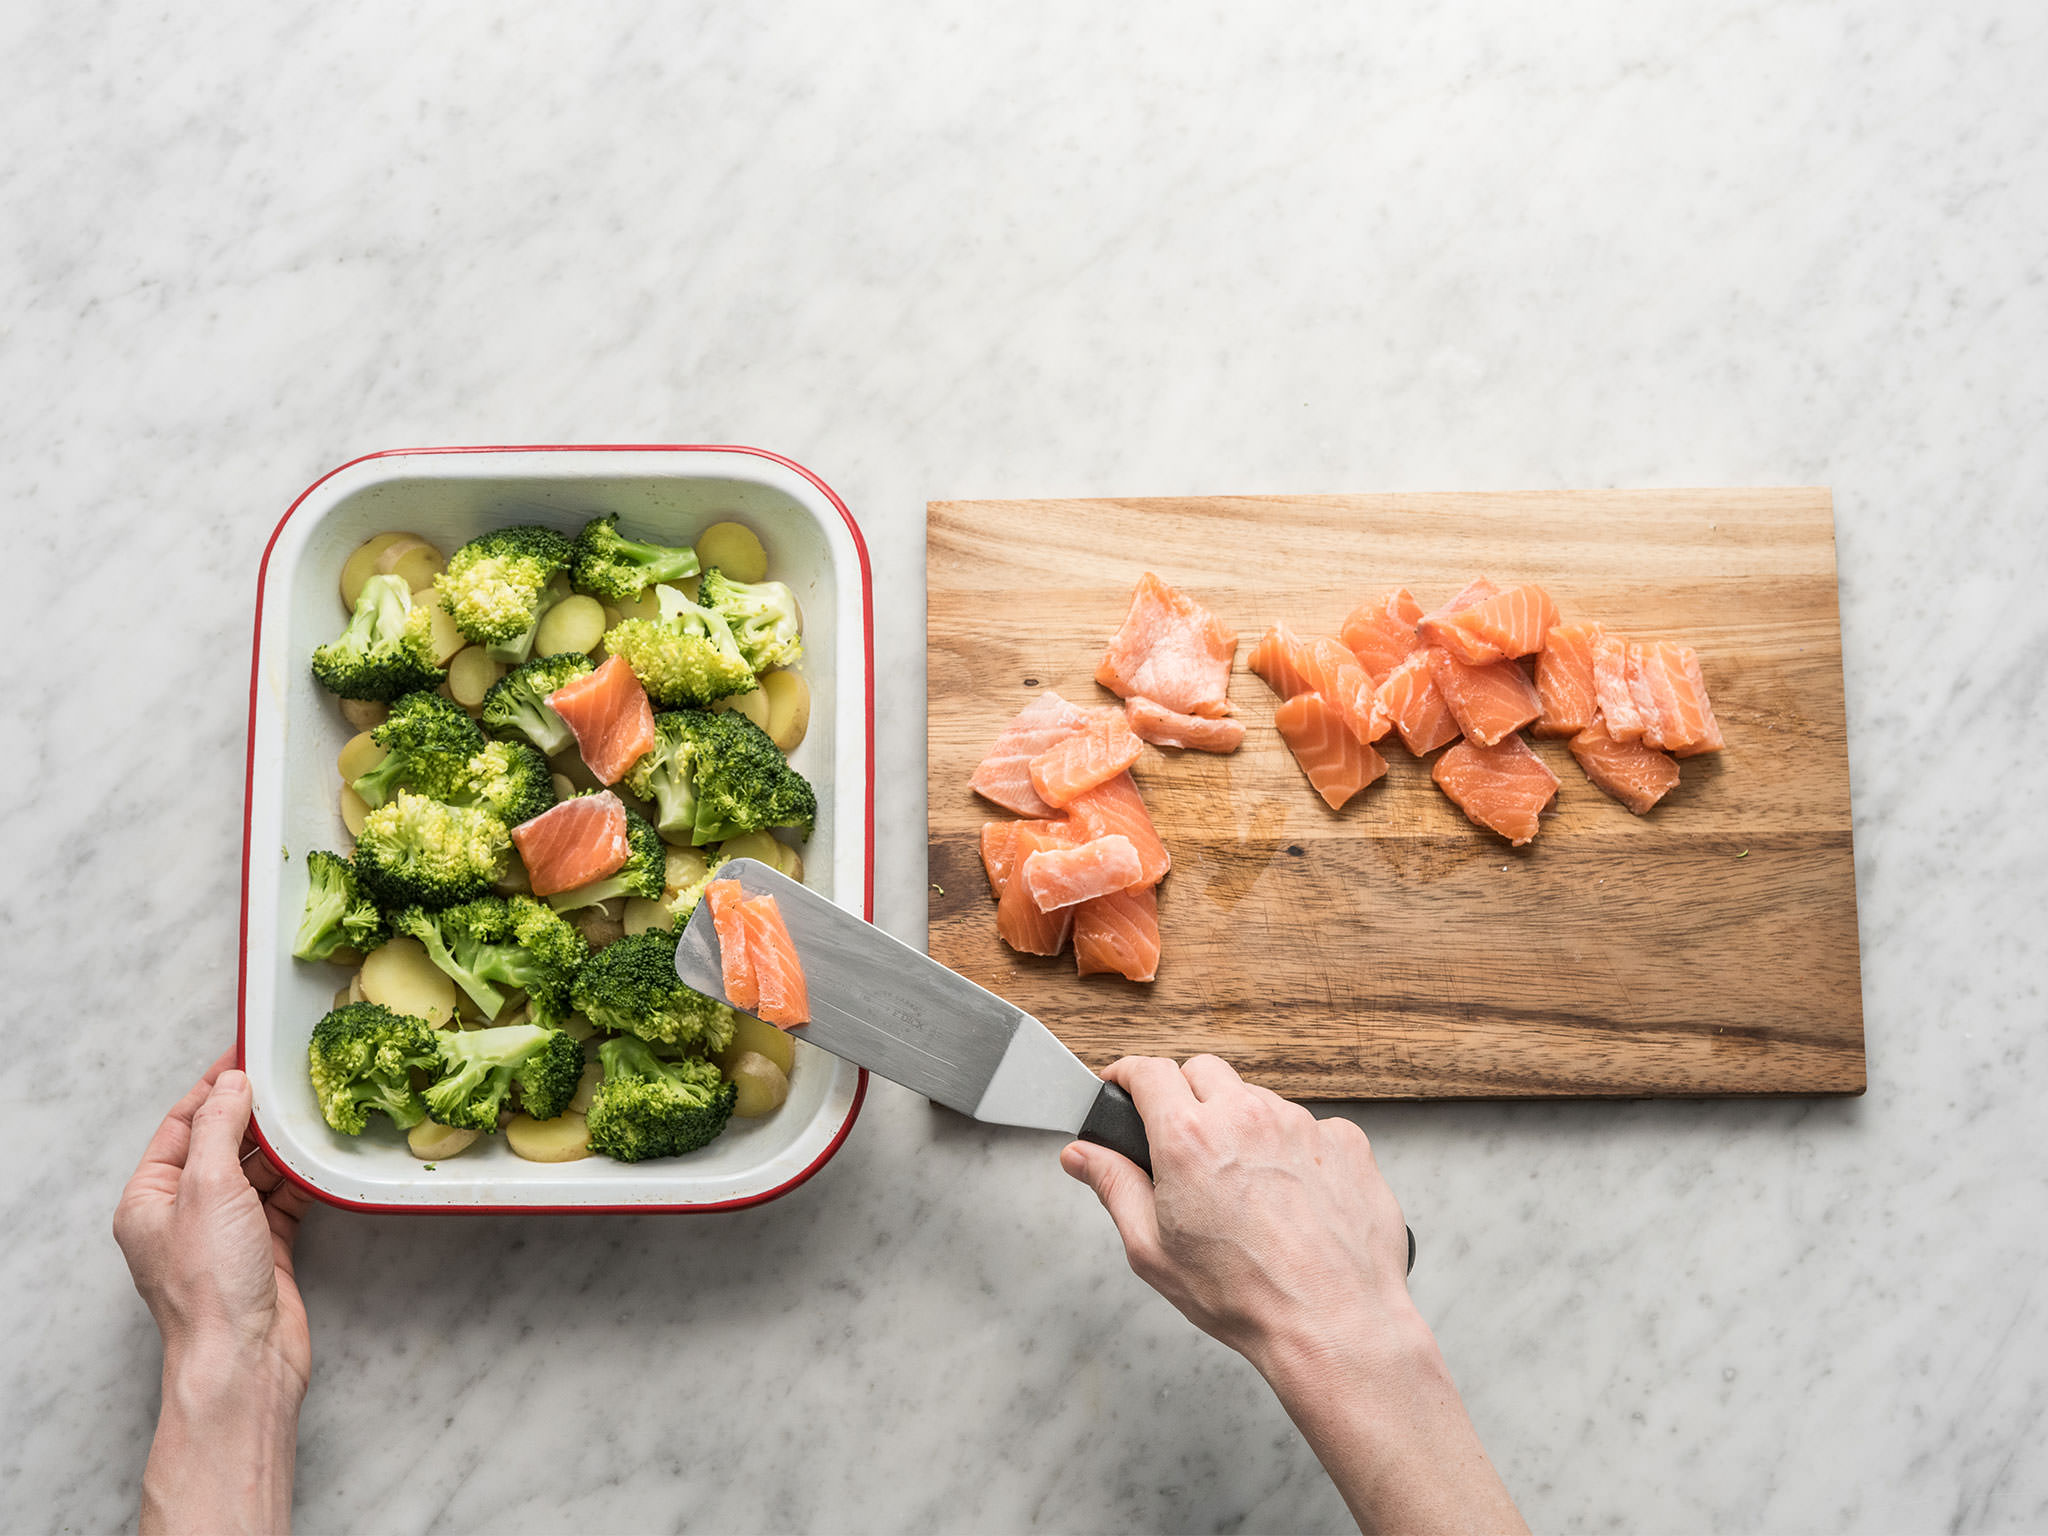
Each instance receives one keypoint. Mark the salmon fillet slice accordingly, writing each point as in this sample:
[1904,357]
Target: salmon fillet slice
[1564,680]
[1680,718]
[1292,665]
[735,966]
[1065,877]
[1636,775]
[1489,702]
[784,998]
[1154,722]
[1105,747]
[1505,625]
[1477,590]
[1172,649]
[999,847]
[1503,787]
[1116,806]
[1337,763]
[580,840]
[1118,934]
[1005,774]
[1611,691]
[1381,634]
[1416,706]
[609,714]
[1019,921]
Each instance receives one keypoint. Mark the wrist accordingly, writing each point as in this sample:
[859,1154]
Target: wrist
[226,1440]
[224,1374]
[1383,1353]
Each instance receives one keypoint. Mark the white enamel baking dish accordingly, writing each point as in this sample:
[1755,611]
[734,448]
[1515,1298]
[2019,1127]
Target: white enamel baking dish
[448,495]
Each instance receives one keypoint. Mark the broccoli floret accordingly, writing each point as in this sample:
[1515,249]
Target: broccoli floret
[479,1067]
[455,939]
[337,914]
[664,775]
[630,987]
[387,649]
[516,942]
[497,586]
[643,873]
[619,569]
[761,615]
[428,742]
[743,782]
[361,1058]
[510,780]
[687,656]
[650,1107]
[416,852]
[518,701]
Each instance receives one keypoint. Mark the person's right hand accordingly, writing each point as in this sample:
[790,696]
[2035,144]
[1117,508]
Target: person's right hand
[1263,1218]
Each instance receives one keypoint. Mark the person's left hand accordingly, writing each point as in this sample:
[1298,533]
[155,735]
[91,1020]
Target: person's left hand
[207,1226]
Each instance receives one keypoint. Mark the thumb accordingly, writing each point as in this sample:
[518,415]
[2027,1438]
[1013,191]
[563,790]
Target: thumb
[1121,1186]
[218,1128]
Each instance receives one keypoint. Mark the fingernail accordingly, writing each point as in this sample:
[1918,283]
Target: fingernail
[232,1078]
[1074,1161]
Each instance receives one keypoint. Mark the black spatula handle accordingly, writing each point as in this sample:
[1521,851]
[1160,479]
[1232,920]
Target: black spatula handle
[1113,1122]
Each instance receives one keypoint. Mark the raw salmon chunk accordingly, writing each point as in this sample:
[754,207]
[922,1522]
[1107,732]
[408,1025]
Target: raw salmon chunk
[1502,787]
[1118,934]
[999,848]
[1337,763]
[1172,649]
[728,917]
[783,997]
[1291,665]
[1064,877]
[1154,722]
[1118,807]
[1104,749]
[580,840]
[1636,775]
[609,712]
[1564,680]
[1489,702]
[1477,590]
[1666,675]
[1415,705]
[1381,634]
[1019,921]
[1508,624]
[1611,691]
[1005,774]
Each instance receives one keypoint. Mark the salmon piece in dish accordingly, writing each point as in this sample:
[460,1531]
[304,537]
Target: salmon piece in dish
[1154,722]
[608,711]
[1337,763]
[571,844]
[1004,776]
[1502,788]
[1171,649]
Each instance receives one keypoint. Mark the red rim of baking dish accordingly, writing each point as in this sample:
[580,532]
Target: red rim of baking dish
[867,609]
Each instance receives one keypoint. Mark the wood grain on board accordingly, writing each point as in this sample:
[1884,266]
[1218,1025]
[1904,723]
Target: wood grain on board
[1393,949]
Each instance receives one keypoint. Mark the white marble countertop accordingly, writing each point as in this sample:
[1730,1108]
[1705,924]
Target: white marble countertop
[1071,249]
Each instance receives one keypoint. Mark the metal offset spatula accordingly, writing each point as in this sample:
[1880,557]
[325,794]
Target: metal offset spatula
[894,1010]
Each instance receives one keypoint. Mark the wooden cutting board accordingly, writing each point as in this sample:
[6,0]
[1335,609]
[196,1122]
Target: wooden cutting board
[1394,950]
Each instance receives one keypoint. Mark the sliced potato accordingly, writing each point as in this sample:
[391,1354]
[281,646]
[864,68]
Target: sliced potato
[645,606]
[361,565]
[359,754]
[471,672]
[447,638]
[597,926]
[577,1027]
[431,1143]
[341,997]
[586,1088]
[412,560]
[642,914]
[735,550]
[364,714]
[563,788]
[355,810]
[403,979]
[766,847]
[681,867]
[792,864]
[763,1040]
[355,989]
[345,957]
[789,708]
[762,1086]
[574,624]
[560,1140]
[687,585]
[753,704]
